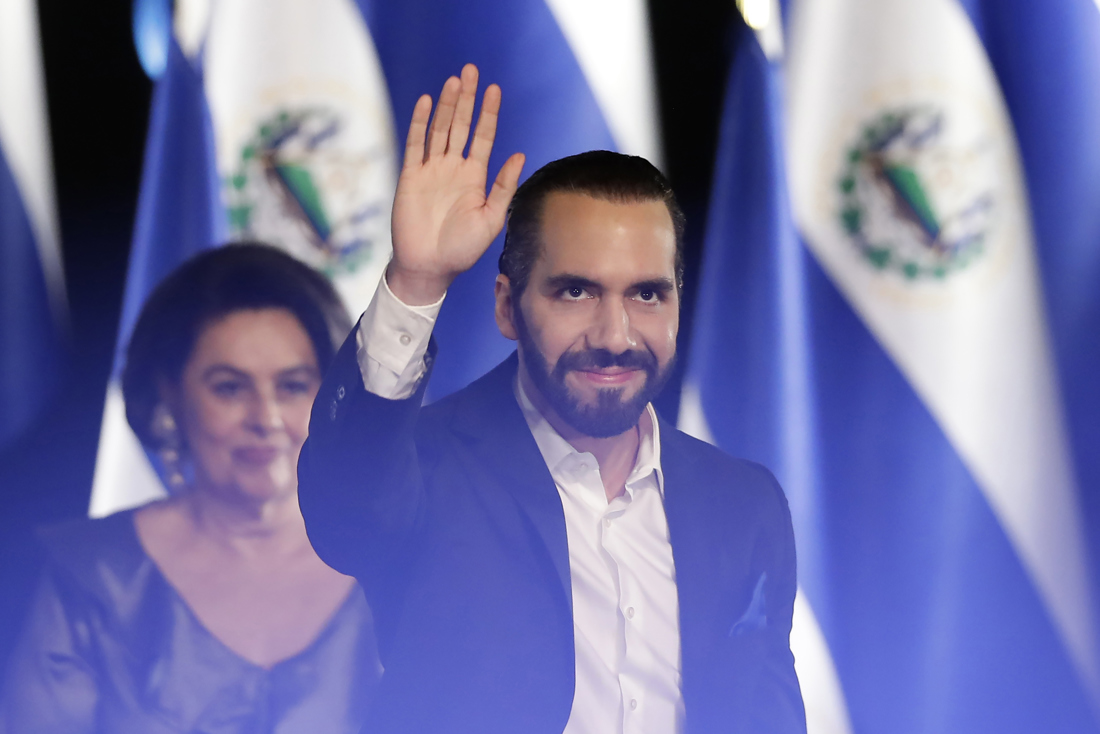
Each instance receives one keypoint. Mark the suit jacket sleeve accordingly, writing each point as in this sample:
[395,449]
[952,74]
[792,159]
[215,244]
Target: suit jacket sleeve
[360,484]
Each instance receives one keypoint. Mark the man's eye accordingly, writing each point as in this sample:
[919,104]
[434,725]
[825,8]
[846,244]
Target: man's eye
[574,293]
[647,294]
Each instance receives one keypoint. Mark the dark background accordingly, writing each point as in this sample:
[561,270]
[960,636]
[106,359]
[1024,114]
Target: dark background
[98,98]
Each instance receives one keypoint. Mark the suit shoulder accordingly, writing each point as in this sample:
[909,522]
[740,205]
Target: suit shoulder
[725,470]
[484,398]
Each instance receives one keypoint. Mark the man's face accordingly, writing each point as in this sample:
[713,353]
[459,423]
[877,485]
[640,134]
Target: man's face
[597,322]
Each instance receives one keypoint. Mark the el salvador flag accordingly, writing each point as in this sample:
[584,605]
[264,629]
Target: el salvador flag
[33,310]
[272,120]
[902,339]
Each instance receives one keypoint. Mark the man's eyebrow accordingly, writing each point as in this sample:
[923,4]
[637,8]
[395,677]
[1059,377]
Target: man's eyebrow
[662,285]
[568,280]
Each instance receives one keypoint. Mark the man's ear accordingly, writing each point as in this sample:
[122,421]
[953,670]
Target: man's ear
[504,305]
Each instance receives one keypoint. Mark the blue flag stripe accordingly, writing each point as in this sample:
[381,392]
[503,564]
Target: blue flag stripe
[31,348]
[931,619]
[179,210]
[1047,60]
[548,111]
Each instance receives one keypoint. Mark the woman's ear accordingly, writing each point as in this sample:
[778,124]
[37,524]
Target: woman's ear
[168,393]
[504,310]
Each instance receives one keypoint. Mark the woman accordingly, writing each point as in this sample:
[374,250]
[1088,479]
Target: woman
[207,611]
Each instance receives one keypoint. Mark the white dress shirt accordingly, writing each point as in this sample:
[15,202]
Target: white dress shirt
[626,627]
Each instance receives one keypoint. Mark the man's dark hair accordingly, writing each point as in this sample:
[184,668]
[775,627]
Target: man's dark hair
[600,174]
[209,286]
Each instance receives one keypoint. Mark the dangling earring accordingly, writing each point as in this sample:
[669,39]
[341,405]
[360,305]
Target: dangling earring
[165,428]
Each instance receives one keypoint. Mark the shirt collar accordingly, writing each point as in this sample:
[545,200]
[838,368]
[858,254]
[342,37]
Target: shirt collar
[556,450]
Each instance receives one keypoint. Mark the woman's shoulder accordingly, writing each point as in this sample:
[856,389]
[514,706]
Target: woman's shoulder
[99,557]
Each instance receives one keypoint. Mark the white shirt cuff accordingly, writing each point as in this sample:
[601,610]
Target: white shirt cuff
[392,341]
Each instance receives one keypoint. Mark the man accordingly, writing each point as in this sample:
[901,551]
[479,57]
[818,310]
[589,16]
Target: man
[541,551]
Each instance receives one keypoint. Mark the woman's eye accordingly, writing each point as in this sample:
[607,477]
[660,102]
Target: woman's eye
[227,389]
[295,387]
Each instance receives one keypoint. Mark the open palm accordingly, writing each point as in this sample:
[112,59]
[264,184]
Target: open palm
[442,219]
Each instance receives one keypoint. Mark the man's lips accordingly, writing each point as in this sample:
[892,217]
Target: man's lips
[608,376]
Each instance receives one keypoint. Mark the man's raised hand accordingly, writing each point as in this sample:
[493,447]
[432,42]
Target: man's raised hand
[442,219]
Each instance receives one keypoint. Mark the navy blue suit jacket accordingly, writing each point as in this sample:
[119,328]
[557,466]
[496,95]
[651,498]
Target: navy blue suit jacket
[449,518]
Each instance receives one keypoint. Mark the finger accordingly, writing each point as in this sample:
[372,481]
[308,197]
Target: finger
[486,130]
[504,188]
[464,112]
[444,112]
[418,129]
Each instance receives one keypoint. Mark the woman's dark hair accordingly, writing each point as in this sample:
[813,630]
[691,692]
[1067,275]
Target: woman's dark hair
[209,286]
[600,174]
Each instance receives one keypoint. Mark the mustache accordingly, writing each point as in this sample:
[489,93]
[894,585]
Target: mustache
[587,359]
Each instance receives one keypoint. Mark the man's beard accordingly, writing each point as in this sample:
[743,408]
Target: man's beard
[611,415]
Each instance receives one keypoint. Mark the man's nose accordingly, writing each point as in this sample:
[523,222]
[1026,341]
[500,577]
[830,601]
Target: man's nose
[611,330]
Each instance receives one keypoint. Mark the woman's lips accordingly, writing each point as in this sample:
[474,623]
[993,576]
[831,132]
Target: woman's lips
[256,455]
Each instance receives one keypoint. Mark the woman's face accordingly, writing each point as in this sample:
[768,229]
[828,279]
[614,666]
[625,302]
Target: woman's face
[244,400]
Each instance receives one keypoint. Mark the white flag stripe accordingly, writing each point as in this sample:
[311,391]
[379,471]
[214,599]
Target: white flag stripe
[973,344]
[611,41]
[24,138]
[124,478]
[265,57]
[826,711]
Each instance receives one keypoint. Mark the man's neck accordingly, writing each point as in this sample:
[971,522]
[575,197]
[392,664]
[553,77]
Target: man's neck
[616,455]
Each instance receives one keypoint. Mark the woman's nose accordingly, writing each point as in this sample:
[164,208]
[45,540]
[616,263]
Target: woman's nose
[267,417]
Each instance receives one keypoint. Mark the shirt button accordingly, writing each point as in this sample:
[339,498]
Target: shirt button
[405,339]
[606,522]
[630,612]
[633,704]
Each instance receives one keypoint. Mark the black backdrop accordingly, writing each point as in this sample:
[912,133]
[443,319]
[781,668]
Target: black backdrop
[98,99]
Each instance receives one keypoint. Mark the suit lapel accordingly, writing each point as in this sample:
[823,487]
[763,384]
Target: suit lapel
[492,426]
[698,530]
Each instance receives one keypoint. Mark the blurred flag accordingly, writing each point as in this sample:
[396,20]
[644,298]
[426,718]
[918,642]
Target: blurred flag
[271,122]
[33,311]
[1047,60]
[748,381]
[894,363]
[575,75]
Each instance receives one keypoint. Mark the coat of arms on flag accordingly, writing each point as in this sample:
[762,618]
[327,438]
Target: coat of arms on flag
[914,198]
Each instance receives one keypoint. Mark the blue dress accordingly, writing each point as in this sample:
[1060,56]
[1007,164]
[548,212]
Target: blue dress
[110,647]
